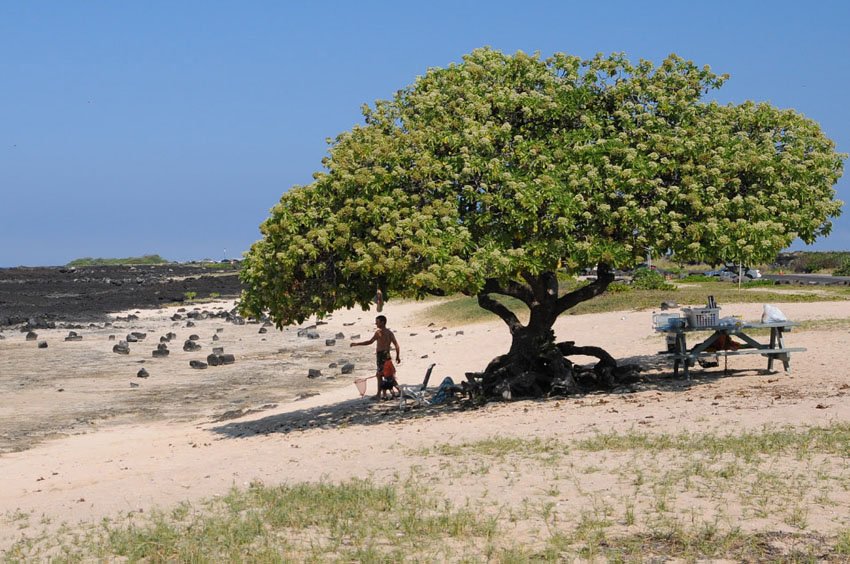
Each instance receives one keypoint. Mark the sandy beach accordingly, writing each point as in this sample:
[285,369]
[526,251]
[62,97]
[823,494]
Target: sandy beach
[84,438]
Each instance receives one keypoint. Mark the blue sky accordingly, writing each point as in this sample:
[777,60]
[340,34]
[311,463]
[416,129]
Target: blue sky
[172,127]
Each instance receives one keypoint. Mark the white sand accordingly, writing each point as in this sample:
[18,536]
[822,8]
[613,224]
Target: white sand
[127,464]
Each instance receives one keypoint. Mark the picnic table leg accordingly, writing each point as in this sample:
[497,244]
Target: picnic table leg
[777,341]
[681,354]
[772,346]
[784,357]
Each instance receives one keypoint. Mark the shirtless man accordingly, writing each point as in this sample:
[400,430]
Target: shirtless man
[385,340]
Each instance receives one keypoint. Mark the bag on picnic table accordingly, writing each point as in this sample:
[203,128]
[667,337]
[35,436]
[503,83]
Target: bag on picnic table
[772,314]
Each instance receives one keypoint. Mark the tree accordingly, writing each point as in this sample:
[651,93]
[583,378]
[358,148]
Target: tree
[492,175]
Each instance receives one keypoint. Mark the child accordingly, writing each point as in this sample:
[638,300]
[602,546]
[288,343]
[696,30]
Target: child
[388,382]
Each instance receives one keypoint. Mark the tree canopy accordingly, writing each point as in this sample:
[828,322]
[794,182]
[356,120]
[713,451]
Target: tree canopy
[485,175]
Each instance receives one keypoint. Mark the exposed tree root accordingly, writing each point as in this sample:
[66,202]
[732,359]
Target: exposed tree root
[551,373]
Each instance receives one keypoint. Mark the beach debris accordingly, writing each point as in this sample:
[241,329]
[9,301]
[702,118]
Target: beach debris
[31,336]
[349,324]
[330,342]
[347,368]
[191,346]
[669,305]
[42,344]
[142,373]
[198,364]
[314,373]
[73,336]
[121,348]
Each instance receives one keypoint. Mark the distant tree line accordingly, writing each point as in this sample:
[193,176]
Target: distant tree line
[146,259]
[837,262]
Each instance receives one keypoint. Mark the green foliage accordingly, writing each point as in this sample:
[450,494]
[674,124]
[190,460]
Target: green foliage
[759,282]
[844,269]
[189,296]
[618,288]
[646,279]
[813,261]
[503,167]
[146,259]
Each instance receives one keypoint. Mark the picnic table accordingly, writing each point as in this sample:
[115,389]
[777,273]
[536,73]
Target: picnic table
[720,342]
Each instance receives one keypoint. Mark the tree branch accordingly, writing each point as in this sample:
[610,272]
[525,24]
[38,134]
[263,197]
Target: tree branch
[512,288]
[491,305]
[604,276]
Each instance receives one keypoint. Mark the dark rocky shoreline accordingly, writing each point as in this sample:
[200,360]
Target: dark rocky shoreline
[41,297]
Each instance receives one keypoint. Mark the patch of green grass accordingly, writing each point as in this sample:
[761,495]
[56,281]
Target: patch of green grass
[697,278]
[315,522]
[462,309]
[830,324]
[800,443]
[842,545]
[703,543]
[834,439]
[499,447]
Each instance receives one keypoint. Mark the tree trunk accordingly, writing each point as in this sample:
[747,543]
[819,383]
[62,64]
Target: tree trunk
[536,365]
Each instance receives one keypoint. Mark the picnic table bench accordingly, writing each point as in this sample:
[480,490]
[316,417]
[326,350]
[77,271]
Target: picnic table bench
[720,343]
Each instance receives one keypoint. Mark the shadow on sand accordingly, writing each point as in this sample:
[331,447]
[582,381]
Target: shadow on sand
[657,375]
[360,411]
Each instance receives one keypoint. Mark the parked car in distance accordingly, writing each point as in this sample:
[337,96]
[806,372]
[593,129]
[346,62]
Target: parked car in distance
[730,272]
